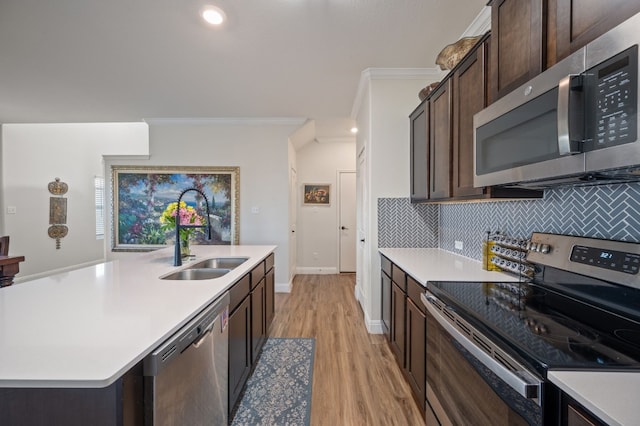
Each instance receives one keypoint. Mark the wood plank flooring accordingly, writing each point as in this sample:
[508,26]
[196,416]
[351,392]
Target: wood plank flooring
[356,380]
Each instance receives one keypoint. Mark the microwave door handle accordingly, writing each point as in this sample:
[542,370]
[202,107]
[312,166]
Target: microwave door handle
[564,137]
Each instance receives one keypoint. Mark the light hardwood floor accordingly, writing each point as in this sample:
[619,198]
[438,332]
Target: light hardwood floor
[356,380]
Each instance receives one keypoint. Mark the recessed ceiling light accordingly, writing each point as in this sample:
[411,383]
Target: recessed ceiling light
[213,15]
[354,130]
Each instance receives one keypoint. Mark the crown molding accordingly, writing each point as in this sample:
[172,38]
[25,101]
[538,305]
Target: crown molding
[369,74]
[232,121]
[480,25]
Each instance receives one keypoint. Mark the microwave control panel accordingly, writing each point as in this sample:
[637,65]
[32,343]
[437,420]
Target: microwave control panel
[615,96]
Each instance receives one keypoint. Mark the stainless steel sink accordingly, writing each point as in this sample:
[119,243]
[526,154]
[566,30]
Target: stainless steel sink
[220,262]
[197,274]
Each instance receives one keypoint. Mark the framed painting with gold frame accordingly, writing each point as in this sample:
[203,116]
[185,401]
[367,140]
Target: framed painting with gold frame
[141,193]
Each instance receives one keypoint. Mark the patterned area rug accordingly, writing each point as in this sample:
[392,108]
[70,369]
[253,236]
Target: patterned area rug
[279,389]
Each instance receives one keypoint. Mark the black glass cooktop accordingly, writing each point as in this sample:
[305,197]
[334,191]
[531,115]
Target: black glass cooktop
[584,324]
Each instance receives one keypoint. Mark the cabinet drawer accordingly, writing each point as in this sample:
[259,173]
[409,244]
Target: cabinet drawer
[257,274]
[269,262]
[238,292]
[399,277]
[414,289]
[386,265]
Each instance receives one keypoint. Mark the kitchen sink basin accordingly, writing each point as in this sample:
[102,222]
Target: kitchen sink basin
[220,262]
[197,274]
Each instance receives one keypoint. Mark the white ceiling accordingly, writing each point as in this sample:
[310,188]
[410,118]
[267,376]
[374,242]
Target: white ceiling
[131,60]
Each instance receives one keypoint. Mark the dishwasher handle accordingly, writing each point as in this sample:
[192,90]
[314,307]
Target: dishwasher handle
[203,335]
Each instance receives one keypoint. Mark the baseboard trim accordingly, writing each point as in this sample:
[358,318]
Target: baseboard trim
[374,327]
[357,291]
[284,287]
[311,270]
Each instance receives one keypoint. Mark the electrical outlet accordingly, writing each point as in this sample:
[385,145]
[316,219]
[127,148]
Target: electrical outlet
[11,209]
[459,245]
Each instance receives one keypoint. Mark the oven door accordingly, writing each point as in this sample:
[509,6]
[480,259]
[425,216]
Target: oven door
[465,387]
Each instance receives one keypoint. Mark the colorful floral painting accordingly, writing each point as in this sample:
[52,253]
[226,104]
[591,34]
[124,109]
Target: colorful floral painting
[142,194]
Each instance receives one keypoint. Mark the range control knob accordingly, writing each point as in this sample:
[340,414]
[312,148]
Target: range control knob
[533,247]
[545,248]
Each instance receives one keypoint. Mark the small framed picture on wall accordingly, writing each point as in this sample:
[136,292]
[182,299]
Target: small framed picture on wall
[316,194]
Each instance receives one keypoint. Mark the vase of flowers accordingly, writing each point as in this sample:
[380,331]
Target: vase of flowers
[187,215]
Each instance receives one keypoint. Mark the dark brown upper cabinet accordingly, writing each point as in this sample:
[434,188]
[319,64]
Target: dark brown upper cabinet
[517,43]
[440,142]
[469,97]
[419,152]
[442,146]
[574,23]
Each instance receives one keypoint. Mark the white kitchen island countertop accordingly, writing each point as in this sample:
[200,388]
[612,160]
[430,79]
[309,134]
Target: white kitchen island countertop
[87,327]
[432,264]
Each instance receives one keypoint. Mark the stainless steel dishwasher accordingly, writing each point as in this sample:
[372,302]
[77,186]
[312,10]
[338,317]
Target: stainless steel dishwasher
[186,377]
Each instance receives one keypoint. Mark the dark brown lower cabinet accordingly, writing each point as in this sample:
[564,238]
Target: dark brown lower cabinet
[270,297]
[121,403]
[249,323]
[398,309]
[404,323]
[239,349]
[416,329]
[258,332]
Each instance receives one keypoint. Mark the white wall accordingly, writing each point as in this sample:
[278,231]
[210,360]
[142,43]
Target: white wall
[383,118]
[261,152]
[317,226]
[34,155]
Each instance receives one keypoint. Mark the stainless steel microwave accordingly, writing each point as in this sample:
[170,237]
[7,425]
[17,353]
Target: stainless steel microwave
[576,123]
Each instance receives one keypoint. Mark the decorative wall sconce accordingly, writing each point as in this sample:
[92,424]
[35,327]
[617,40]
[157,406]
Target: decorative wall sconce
[58,211]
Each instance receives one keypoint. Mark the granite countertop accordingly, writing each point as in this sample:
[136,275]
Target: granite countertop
[87,327]
[611,396]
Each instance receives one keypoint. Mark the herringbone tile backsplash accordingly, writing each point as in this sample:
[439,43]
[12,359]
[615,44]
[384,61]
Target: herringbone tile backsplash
[604,211]
[402,224]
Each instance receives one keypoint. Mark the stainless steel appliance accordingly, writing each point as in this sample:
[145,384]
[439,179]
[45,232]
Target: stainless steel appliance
[491,344]
[576,123]
[186,378]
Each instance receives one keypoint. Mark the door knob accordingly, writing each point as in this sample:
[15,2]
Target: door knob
[344,228]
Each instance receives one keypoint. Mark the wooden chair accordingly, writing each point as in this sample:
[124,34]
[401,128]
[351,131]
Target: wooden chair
[4,245]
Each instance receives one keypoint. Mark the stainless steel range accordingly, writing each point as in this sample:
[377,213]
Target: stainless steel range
[491,344]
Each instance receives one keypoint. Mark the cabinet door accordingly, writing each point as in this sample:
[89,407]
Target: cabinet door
[270,298]
[419,147]
[469,97]
[574,23]
[416,354]
[398,307]
[239,349]
[516,44]
[386,304]
[440,142]
[258,298]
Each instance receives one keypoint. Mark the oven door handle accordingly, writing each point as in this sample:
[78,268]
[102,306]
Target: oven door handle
[522,381]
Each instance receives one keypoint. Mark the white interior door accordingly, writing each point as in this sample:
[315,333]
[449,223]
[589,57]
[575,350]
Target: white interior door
[347,221]
[293,210]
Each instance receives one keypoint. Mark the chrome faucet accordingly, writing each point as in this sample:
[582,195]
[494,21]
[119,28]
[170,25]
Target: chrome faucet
[177,258]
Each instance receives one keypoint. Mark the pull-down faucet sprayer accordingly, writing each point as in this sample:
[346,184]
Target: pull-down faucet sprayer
[177,258]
